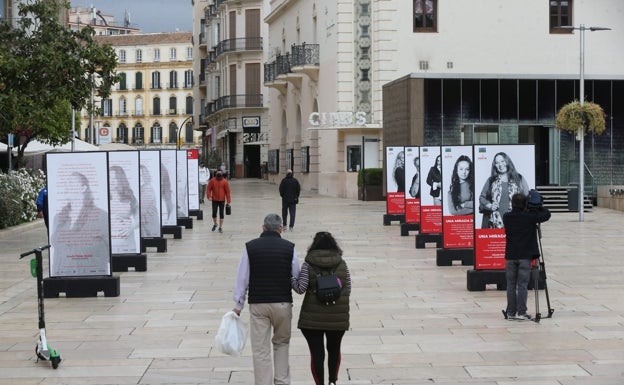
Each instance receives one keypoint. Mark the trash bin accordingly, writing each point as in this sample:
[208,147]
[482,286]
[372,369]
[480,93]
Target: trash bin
[573,197]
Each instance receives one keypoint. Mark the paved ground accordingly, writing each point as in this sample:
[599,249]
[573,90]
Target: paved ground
[412,322]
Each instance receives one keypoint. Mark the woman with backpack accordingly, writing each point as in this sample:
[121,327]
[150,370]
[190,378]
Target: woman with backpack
[324,311]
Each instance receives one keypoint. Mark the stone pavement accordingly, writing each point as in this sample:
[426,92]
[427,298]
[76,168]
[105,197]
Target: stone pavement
[412,322]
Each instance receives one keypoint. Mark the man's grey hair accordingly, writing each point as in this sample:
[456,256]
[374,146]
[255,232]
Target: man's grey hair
[272,222]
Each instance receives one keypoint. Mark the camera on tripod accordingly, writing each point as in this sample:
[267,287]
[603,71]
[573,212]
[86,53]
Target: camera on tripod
[535,201]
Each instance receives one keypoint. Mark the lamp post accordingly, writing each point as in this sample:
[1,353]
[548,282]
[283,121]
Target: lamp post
[581,189]
[179,128]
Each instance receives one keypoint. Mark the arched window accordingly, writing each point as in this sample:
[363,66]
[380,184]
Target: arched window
[138,81]
[122,81]
[155,80]
[173,79]
[188,134]
[138,134]
[156,106]
[138,107]
[122,134]
[156,133]
[189,105]
[172,132]
[173,105]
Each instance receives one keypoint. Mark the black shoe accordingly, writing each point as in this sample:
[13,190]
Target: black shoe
[214,227]
[220,230]
[290,228]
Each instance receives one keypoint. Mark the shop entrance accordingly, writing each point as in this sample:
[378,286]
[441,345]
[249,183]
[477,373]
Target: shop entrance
[251,156]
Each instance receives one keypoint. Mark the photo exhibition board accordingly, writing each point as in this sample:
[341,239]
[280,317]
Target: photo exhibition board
[457,197]
[395,180]
[150,197]
[125,210]
[412,186]
[78,207]
[431,188]
[168,188]
[193,178]
[182,184]
[500,171]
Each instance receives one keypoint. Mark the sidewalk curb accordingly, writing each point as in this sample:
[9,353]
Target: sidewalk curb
[11,231]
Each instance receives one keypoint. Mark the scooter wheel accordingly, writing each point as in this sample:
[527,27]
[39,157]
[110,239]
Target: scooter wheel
[55,362]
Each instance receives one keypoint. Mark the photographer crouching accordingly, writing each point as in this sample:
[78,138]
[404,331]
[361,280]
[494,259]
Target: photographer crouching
[521,249]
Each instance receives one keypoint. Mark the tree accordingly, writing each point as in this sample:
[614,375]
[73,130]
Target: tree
[46,69]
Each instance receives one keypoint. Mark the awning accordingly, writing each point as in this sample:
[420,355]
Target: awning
[228,131]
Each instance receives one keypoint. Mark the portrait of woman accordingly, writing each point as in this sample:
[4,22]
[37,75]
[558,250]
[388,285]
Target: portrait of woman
[495,197]
[434,180]
[461,195]
[398,173]
[124,209]
[414,190]
[150,219]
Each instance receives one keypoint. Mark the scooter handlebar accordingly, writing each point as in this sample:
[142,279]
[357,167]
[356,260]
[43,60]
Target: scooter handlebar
[33,251]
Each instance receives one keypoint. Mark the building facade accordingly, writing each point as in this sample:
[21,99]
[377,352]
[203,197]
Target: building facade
[231,99]
[102,23]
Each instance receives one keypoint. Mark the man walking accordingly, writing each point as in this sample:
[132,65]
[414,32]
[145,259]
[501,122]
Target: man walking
[289,190]
[204,175]
[267,269]
[521,248]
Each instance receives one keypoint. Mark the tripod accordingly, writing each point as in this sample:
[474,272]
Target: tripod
[539,271]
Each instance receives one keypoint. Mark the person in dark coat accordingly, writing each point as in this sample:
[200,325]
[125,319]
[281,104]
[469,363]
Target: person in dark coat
[289,190]
[521,249]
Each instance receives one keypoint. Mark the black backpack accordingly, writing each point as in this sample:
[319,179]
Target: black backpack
[328,286]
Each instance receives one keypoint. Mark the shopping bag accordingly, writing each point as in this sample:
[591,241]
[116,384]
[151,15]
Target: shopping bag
[232,334]
[228,210]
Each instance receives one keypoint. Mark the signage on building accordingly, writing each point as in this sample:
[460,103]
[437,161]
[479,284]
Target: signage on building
[253,137]
[337,119]
[251,121]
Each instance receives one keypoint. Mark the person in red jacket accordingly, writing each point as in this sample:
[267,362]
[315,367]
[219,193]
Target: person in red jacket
[218,192]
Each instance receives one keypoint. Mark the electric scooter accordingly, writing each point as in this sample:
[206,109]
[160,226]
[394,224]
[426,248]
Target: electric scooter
[42,349]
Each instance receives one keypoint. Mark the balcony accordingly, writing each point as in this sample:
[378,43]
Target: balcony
[202,39]
[305,59]
[238,45]
[284,70]
[138,113]
[270,78]
[234,101]
[173,86]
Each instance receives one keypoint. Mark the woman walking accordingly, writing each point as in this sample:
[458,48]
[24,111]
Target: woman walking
[317,320]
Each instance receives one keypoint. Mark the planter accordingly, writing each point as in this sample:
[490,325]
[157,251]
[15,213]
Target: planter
[373,193]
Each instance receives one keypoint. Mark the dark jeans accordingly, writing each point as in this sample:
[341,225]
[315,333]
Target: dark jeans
[317,353]
[289,208]
[517,273]
[218,205]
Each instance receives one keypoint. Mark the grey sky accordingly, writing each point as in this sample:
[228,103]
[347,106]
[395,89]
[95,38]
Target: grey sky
[147,15]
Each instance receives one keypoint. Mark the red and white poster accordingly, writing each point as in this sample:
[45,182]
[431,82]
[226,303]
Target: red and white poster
[457,197]
[395,180]
[150,194]
[431,190]
[412,187]
[125,215]
[79,214]
[192,157]
[500,172]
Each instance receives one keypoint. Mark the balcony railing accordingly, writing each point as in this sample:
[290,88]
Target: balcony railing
[305,54]
[234,101]
[270,72]
[282,64]
[242,44]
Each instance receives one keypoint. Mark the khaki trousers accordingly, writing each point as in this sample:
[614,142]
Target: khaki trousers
[267,319]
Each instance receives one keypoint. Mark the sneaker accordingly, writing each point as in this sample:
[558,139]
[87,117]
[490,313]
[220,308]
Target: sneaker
[220,230]
[523,317]
[290,228]
[214,227]
[511,317]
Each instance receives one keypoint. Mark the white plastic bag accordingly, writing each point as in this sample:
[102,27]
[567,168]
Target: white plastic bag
[232,334]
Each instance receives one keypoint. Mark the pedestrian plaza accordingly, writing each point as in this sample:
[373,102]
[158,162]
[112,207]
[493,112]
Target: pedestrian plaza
[412,322]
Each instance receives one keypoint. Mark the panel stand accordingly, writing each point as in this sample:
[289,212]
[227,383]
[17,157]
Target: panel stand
[197,213]
[422,239]
[175,230]
[159,243]
[387,218]
[186,222]
[77,287]
[407,227]
[445,257]
[121,262]
[477,279]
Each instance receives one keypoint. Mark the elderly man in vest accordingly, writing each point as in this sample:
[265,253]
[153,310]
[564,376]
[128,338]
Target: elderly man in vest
[266,272]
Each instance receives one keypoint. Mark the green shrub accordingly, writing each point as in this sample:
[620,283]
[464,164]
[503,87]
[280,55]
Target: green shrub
[18,195]
[374,177]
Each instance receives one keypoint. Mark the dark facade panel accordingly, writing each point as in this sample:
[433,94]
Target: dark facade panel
[527,103]
[546,101]
[490,101]
[509,100]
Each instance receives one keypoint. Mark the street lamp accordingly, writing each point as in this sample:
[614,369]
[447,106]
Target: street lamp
[581,189]
[178,130]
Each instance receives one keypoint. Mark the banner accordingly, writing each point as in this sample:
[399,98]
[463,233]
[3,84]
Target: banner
[500,172]
[193,178]
[395,180]
[168,188]
[182,184]
[125,215]
[150,197]
[431,191]
[412,188]
[457,197]
[79,214]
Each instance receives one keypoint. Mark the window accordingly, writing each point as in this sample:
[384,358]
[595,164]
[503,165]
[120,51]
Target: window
[305,159]
[189,53]
[273,163]
[173,105]
[560,15]
[122,55]
[188,78]
[188,132]
[172,54]
[122,133]
[156,106]
[289,158]
[156,54]
[189,105]
[485,135]
[354,158]
[138,81]
[137,134]
[139,56]
[425,16]
[173,79]
[138,107]
[123,107]
[122,81]
[107,107]
[173,132]
[156,136]
[155,80]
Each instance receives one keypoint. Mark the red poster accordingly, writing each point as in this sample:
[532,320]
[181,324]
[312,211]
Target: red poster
[431,219]
[490,247]
[458,231]
[192,154]
[395,203]
[412,210]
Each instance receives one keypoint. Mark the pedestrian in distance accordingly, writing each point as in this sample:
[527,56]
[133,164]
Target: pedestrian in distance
[289,190]
[42,205]
[521,249]
[218,192]
[204,175]
[318,320]
[267,274]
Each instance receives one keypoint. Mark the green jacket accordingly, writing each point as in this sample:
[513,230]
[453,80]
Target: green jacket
[317,315]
